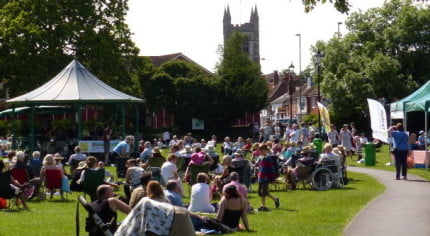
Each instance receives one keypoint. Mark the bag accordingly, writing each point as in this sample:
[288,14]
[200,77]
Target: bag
[65,185]
[213,224]
[3,203]
[410,162]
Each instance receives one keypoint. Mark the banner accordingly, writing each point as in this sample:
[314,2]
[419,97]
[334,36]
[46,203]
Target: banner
[378,120]
[96,146]
[325,117]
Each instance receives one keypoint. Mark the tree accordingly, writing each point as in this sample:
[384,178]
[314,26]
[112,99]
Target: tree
[39,37]
[183,89]
[242,86]
[383,56]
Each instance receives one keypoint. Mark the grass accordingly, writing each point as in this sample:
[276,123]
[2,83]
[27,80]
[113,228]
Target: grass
[302,212]
[383,157]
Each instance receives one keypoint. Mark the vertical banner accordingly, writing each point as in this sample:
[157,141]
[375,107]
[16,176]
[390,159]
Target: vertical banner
[325,118]
[378,120]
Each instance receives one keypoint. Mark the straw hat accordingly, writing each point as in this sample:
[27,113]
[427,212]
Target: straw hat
[81,165]
[156,150]
[188,149]
[58,157]
[238,152]
[305,150]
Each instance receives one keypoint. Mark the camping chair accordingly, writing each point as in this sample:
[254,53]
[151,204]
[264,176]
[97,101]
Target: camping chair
[180,165]
[53,180]
[156,161]
[73,165]
[242,167]
[20,175]
[121,168]
[156,174]
[93,179]
[196,169]
[93,217]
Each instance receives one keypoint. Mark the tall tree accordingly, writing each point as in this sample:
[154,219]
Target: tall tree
[240,81]
[384,56]
[39,37]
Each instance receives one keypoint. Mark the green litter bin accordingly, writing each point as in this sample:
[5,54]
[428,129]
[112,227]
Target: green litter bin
[369,154]
[318,144]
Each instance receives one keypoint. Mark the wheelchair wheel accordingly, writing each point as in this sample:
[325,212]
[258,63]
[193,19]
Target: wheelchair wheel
[322,179]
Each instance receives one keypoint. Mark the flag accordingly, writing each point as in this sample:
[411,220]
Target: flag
[378,120]
[325,118]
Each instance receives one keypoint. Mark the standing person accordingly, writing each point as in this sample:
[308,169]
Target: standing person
[401,149]
[107,134]
[166,137]
[122,149]
[313,131]
[277,130]
[267,131]
[345,137]
[422,140]
[266,175]
[333,136]
[295,134]
[305,135]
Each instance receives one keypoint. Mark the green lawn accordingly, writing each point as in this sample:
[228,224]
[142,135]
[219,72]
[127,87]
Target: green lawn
[302,212]
[383,157]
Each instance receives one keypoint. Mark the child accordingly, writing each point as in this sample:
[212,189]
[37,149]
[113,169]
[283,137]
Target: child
[359,140]
[266,175]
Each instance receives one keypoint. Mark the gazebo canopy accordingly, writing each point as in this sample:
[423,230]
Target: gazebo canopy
[74,84]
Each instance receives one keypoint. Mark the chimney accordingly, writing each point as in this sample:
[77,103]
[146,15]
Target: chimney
[275,78]
[309,82]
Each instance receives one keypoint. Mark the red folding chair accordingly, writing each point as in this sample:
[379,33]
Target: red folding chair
[20,175]
[53,180]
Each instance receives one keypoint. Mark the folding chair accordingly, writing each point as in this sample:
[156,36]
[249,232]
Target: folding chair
[98,222]
[242,167]
[195,170]
[53,180]
[156,174]
[7,192]
[156,161]
[93,179]
[36,165]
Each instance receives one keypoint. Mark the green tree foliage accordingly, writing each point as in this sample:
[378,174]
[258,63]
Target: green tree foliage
[39,37]
[385,55]
[243,88]
[340,5]
[183,89]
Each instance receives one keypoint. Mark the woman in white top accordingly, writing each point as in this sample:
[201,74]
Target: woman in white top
[345,138]
[201,195]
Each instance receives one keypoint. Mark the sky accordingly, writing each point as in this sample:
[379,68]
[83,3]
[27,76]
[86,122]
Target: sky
[195,28]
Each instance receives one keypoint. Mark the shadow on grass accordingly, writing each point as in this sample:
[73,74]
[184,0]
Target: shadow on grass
[418,180]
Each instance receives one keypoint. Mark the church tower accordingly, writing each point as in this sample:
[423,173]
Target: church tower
[251,29]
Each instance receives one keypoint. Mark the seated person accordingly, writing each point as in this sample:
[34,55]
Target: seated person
[233,207]
[76,157]
[140,192]
[108,176]
[14,186]
[224,178]
[234,180]
[76,174]
[132,176]
[201,195]
[106,207]
[173,193]
[327,155]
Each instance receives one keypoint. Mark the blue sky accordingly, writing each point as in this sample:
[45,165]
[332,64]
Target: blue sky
[194,27]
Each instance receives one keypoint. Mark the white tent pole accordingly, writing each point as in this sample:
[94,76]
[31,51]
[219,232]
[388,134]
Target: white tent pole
[425,128]
[405,117]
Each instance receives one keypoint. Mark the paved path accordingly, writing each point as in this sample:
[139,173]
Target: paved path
[403,209]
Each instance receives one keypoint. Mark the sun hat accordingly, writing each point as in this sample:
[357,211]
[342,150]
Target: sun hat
[81,165]
[188,149]
[156,150]
[238,152]
[421,132]
[58,157]
[305,150]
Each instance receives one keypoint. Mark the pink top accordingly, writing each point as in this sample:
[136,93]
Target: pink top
[197,158]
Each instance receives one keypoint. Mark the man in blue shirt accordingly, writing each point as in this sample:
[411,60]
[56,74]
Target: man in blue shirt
[172,193]
[122,149]
[147,151]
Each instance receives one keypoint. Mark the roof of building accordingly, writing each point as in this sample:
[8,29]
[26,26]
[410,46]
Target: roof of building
[159,60]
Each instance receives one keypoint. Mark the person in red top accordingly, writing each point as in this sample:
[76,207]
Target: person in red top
[266,175]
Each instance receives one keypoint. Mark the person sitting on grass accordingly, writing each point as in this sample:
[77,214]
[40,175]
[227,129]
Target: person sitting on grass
[233,207]
[266,175]
[201,195]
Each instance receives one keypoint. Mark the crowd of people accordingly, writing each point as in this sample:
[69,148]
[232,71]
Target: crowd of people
[275,152]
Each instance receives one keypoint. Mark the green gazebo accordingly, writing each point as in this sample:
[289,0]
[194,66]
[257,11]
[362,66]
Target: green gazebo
[74,86]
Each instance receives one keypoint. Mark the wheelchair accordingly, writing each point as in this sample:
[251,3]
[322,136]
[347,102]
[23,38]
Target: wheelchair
[327,175]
